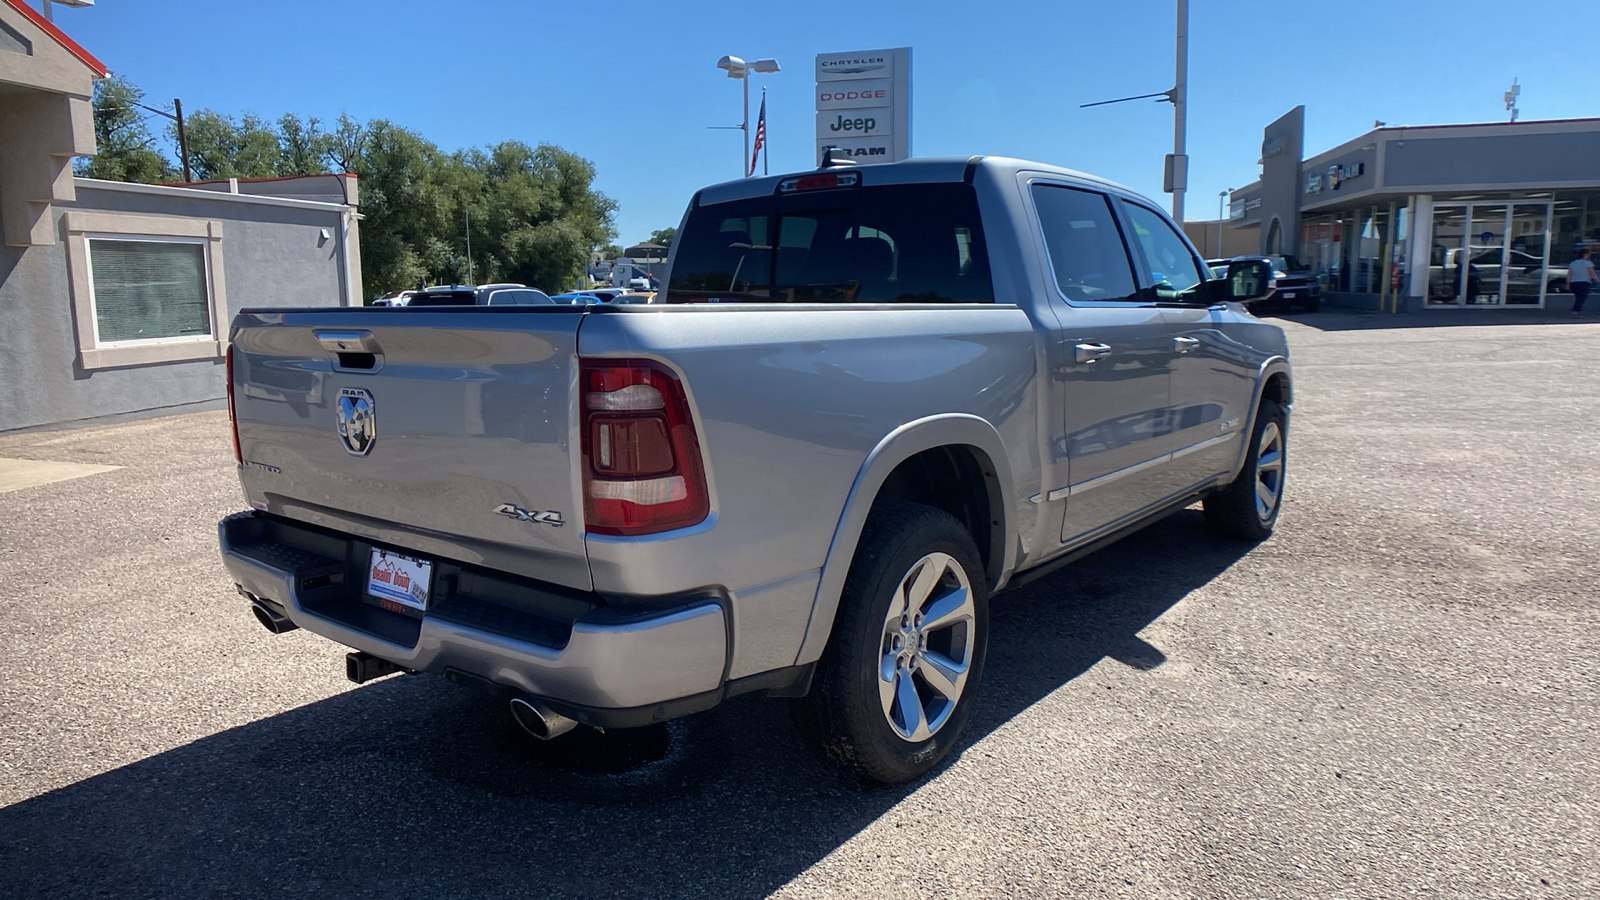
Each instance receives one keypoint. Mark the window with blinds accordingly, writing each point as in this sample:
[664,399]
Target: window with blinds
[144,290]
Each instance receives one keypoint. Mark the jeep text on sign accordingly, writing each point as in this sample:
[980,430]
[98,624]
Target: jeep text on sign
[878,92]
[847,123]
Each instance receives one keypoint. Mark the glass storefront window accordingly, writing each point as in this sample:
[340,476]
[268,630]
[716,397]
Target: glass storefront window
[1449,227]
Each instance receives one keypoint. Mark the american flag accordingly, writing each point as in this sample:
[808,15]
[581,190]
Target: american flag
[761,133]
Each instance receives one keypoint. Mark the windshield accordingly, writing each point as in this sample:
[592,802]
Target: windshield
[915,243]
[1286,263]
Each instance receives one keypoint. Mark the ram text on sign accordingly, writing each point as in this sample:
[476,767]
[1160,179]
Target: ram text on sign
[846,123]
[858,148]
[855,94]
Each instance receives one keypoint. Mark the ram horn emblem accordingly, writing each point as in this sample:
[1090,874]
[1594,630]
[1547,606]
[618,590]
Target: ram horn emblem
[358,422]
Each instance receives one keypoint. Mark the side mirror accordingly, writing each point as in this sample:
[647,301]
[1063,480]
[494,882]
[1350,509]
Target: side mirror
[1249,279]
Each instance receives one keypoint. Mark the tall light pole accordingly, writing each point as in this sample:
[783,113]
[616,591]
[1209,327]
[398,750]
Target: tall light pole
[1175,176]
[738,68]
[1180,115]
[1221,195]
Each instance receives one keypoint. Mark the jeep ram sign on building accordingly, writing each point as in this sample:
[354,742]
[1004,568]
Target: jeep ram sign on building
[864,104]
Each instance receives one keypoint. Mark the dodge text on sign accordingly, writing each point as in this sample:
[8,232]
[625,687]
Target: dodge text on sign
[877,92]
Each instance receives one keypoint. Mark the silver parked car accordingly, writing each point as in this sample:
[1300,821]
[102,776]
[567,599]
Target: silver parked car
[864,401]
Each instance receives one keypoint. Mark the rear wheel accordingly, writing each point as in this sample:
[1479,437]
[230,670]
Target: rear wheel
[895,686]
[1248,508]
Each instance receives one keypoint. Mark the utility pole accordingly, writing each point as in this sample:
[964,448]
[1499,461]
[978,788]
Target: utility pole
[469,246]
[183,138]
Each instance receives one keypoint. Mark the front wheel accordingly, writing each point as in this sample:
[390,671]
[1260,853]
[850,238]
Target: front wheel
[895,686]
[1248,508]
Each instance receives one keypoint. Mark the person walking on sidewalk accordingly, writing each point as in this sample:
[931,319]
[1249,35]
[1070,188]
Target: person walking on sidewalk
[1580,278]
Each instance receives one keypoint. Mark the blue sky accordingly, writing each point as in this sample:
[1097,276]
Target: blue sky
[632,86]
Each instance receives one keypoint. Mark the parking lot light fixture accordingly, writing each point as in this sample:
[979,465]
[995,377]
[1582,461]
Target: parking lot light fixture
[1221,196]
[738,68]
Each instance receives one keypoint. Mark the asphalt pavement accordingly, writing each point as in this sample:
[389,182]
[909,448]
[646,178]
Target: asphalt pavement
[1395,696]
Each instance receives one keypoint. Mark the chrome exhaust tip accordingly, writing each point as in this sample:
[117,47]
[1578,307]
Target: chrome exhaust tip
[271,619]
[540,720]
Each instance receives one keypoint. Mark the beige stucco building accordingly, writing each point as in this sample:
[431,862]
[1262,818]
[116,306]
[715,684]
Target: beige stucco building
[116,298]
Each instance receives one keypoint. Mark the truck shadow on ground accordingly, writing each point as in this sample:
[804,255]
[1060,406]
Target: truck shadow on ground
[416,787]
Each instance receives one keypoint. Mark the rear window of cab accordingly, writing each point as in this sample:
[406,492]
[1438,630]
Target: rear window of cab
[912,243]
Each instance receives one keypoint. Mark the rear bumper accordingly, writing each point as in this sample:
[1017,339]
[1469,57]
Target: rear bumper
[602,667]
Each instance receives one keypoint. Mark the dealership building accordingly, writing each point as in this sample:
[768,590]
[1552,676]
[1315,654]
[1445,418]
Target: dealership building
[1430,217]
[115,299]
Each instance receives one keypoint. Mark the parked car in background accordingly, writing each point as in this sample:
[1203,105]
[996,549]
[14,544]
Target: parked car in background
[394,298]
[575,298]
[1522,277]
[1294,287]
[480,295]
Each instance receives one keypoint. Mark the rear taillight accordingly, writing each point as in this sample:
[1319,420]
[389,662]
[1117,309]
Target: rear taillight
[233,416]
[641,456]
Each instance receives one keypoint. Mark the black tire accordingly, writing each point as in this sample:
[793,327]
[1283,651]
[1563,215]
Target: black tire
[1314,306]
[845,717]
[1234,511]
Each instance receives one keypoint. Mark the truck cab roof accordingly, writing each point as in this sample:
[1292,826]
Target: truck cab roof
[931,170]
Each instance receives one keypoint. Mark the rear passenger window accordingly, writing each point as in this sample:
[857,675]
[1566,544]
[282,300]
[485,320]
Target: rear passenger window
[1086,248]
[909,243]
[1173,270]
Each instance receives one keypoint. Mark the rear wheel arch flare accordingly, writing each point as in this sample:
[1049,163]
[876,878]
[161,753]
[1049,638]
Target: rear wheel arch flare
[959,479]
[966,434]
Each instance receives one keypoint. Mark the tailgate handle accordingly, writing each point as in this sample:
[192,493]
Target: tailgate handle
[350,341]
[356,349]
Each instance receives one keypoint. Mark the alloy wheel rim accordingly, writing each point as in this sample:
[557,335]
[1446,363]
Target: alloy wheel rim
[1269,471]
[927,648]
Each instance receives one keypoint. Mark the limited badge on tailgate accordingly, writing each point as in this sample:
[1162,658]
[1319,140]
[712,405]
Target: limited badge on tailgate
[394,578]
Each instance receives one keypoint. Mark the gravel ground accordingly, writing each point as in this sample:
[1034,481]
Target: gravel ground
[1395,696]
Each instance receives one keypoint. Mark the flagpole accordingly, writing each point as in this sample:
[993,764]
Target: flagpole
[766,156]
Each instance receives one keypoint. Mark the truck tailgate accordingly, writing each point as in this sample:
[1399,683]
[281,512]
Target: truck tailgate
[449,432]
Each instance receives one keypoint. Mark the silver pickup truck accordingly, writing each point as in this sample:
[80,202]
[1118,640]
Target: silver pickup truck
[868,399]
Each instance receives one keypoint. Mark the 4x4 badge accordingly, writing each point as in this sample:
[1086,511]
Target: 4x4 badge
[545,517]
[358,422]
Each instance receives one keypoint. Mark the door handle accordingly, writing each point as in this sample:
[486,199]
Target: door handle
[1088,353]
[1183,344]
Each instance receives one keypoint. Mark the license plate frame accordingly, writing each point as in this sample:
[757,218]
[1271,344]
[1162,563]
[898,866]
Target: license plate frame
[1288,295]
[400,579]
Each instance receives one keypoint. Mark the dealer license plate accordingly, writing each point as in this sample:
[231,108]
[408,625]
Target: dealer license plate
[1289,295]
[399,579]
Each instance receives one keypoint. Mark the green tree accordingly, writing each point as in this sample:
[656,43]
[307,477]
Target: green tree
[303,146]
[122,138]
[346,144]
[222,147]
[541,217]
[409,215]
[664,236]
